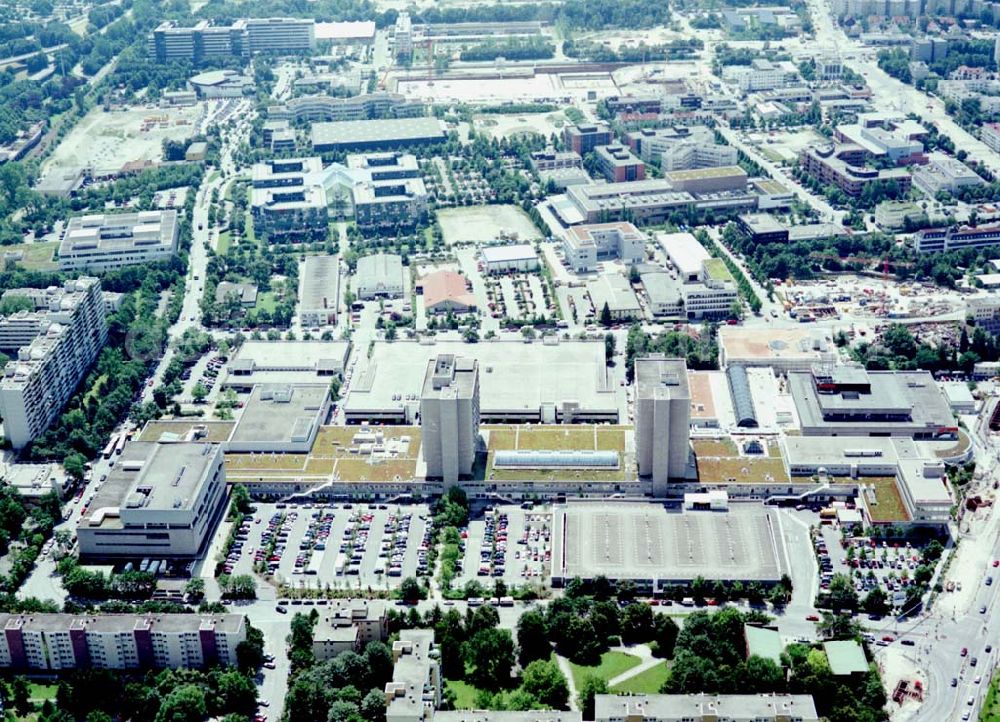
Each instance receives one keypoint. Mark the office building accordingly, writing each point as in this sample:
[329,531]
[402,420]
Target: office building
[782,350]
[449,417]
[707,180]
[843,166]
[416,687]
[349,625]
[257,363]
[662,420]
[762,228]
[101,241]
[885,136]
[761,74]
[706,287]
[390,203]
[287,201]
[939,240]
[162,500]
[319,290]
[221,84]
[375,134]
[944,174]
[742,19]
[403,36]
[48,643]
[245,37]
[705,708]
[371,106]
[617,164]
[550,159]
[379,276]
[692,155]
[516,257]
[584,138]
[62,341]
[985,312]
[585,245]
[663,294]
[850,401]
[896,215]
[645,201]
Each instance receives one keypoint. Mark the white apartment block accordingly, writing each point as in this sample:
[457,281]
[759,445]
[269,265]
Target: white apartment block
[662,419]
[585,245]
[103,241]
[37,382]
[761,75]
[415,690]
[51,642]
[449,417]
[989,133]
[705,708]
[691,155]
[709,299]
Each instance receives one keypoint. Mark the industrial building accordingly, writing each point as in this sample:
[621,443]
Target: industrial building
[287,201]
[585,245]
[655,548]
[614,292]
[515,257]
[449,417]
[55,347]
[850,401]
[280,418]
[285,362]
[447,292]
[102,242]
[375,134]
[662,420]
[245,37]
[319,290]
[379,276]
[161,500]
[542,382]
[705,708]
[48,643]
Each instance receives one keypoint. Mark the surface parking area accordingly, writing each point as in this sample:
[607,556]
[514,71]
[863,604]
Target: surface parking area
[336,545]
[508,543]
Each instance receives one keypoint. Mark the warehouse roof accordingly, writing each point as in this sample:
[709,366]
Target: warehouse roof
[388,131]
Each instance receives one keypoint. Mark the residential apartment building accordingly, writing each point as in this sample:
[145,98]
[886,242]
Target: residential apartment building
[45,643]
[989,133]
[67,336]
[584,138]
[372,106]
[449,417]
[349,625]
[101,241]
[585,245]
[416,687]
[939,240]
[288,201]
[243,38]
[662,419]
[617,164]
[162,500]
[843,166]
[761,74]
[705,708]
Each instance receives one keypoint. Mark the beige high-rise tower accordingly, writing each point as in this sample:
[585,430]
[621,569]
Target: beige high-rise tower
[662,419]
[449,417]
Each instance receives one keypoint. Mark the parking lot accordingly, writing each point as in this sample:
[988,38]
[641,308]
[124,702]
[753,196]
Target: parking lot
[335,545]
[508,543]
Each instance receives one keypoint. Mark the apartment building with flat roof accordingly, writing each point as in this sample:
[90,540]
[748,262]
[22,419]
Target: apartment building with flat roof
[705,708]
[416,687]
[67,336]
[46,643]
[100,241]
[245,37]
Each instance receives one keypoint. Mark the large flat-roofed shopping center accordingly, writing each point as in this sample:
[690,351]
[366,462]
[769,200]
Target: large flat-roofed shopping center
[520,382]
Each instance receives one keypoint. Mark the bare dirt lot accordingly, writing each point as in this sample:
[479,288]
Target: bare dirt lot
[479,224]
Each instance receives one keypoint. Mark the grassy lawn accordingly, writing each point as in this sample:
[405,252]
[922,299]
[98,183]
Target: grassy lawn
[248,227]
[889,504]
[612,664]
[648,682]
[37,256]
[465,693]
[224,240]
[991,705]
[41,692]
[267,301]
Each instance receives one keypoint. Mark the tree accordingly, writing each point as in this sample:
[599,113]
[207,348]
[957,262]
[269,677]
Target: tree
[250,652]
[761,675]
[609,347]
[373,706]
[490,655]
[665,632]
[410,590]
[75,465]
[237,692]
[195,588]
[842,594]
[185,703]
[637,623]
[532,638]
[876,601]
[199,393]
[606,319]
[591,687]
[20,696]
[543,680]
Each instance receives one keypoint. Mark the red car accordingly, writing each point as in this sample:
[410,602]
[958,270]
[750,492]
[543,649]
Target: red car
[964,652]
[812,618]
[996,562]
[888,638]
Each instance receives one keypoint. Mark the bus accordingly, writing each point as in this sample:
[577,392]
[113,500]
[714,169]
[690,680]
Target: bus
[110,448]
[120,446]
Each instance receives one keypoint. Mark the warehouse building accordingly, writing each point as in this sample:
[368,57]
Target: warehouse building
[55,347]
[654,548]
[162,500]
[375,134]
[379,276]
[503,259]
[319,290]
[46,643]
[280,418]
[708,180]
[613,290]
[447,292]
[543,382]
[101,241]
